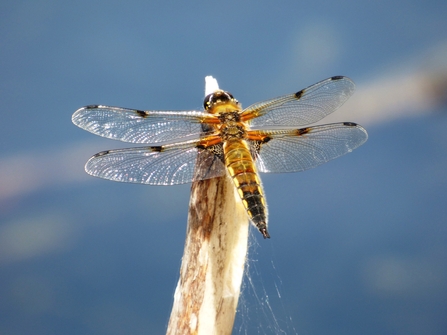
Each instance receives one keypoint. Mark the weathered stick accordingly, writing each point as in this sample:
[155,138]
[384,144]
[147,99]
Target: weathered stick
[207,293]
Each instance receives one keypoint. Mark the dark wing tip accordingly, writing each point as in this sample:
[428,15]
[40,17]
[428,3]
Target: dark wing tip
[102,153]
[78,115]
[338,77]
[350,124]
[141,113]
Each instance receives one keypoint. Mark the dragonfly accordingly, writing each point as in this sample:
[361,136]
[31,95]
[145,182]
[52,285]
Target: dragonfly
[272,136]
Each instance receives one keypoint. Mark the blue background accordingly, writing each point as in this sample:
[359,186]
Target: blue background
[359,245]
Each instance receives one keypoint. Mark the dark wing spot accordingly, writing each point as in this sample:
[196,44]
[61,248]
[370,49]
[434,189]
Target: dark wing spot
[141,113]
[217,151]
[302,131]
[350,124]
[256,146]
[91,106]
[299,94]
[266,139]
[156,149]
[102,153]
[337,77]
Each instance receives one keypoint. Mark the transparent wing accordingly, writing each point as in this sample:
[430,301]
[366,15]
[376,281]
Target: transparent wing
[302,149]
[304,107]
[162,165]
[136,126]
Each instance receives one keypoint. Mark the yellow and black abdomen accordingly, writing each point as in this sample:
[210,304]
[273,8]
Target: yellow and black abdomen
[242,169]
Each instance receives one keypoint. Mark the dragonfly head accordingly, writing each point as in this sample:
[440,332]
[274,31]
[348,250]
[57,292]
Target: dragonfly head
[219,100]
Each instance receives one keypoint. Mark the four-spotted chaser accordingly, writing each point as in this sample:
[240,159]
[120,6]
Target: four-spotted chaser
[186,146]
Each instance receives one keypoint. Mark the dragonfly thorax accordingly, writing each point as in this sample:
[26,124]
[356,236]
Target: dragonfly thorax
[232,130]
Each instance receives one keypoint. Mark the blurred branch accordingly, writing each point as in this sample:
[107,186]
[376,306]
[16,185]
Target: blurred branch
[207,292]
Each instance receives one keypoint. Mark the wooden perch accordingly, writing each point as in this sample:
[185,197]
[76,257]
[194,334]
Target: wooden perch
[207,292]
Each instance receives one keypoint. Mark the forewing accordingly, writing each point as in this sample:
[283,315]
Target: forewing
[155,165]
[302,149]
[137,126]
[304,107]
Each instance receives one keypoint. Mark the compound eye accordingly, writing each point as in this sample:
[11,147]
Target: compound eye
[217,97]
[207,101]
